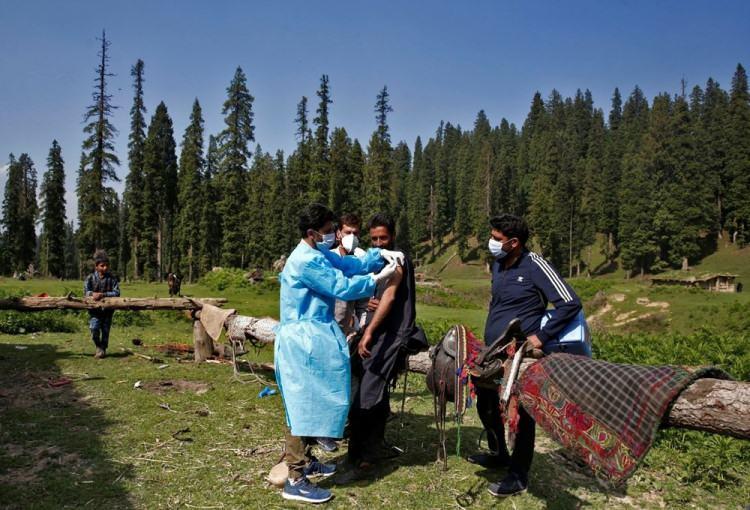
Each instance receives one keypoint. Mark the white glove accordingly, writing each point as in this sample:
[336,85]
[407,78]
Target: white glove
[393,256]
[385,273]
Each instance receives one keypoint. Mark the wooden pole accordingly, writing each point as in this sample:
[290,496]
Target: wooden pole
[202,343]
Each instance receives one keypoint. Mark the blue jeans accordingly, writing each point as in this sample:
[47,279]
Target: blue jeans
[100,324]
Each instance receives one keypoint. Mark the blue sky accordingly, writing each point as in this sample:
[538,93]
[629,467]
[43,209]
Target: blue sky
[440,60]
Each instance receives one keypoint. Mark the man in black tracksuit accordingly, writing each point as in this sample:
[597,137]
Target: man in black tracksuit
[523,283]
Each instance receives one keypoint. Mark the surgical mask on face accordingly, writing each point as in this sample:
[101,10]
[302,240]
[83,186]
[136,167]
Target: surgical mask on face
[350,242]
[327,242]
[496,248]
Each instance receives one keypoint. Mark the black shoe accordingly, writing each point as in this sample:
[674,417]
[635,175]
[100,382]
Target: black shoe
[508,486]
[489,460]
[327,444]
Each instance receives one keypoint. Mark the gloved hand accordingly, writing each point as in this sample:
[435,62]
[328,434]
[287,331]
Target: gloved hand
[391,256]
[385,273]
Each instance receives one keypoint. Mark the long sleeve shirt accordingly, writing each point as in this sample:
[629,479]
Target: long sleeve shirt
[523,291]
[108,285]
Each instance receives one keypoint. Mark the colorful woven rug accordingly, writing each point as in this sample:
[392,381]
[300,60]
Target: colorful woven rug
[606,414]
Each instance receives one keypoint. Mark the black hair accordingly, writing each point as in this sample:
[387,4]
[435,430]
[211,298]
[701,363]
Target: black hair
[383,220]
[100,256]
[512,226]
[350,219]
[314,217]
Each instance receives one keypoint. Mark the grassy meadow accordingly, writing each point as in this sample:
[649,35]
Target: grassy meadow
[75,433]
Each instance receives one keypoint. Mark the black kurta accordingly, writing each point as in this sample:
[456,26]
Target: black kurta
[381,368]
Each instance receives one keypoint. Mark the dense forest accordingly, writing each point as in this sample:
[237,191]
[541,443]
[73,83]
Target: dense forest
[660,181]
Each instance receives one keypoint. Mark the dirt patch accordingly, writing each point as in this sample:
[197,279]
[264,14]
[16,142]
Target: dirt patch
[602,311]
[626,320]
[624,316]
[644,301]
[617,298]
[178,385]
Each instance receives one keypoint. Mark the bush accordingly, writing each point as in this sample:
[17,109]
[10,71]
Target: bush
[57,321]
[53,321]
[225,278]
[435,329]
[235,278]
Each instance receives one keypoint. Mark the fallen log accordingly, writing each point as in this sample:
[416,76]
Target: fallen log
[38,304]
[711,405]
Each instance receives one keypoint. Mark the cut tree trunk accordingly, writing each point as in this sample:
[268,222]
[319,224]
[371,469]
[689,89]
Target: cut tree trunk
[711,405]
[202,343]
[38,304]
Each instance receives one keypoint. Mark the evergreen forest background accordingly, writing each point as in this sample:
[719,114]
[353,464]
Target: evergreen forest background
[659,182]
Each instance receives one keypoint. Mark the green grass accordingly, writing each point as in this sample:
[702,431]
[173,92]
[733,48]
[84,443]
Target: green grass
[100,443]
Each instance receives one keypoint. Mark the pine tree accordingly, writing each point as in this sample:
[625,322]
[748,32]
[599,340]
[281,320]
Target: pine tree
[713,144]
[356,169]
[594,192]
[342,193]
[738,158]
[606,202]
[233,146]
[210,222]
[256,208]
[690,199]
[190,196]
[52,256]
[20,212]
[464,196]
[159,195]
[72,262]
[276,228]
[297,172]
[133,196]
[401,165]
[479,173]
[98,163]
[320,170]
[417,201]
[377,174]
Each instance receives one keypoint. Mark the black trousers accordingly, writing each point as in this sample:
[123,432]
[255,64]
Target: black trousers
[367,429]
[488,407]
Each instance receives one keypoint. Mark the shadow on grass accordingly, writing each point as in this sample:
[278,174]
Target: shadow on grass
[554,478]
[51,452]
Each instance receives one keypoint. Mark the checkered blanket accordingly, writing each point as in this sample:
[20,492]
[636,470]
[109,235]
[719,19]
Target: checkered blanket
[607,414]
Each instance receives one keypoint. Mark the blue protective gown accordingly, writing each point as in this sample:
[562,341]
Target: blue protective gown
[310,351]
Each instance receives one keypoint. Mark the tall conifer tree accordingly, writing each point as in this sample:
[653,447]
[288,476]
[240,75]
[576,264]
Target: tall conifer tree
[52,246]
[234,151]
[133,196]
[159,195]
[190,196]
[98,165]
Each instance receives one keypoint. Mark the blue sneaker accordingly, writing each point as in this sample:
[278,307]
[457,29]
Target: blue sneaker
[304,490]
[328,444]
[317,468]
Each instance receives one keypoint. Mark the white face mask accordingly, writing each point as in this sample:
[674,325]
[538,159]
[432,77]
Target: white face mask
[327,242]
[350,242]
[496,248]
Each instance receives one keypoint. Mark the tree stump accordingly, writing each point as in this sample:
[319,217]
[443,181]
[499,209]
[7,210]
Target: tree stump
[202,343]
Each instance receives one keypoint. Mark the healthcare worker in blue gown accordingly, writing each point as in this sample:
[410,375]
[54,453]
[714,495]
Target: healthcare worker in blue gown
[310,351]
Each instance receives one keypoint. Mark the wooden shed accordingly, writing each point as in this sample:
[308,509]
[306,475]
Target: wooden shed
[716,282]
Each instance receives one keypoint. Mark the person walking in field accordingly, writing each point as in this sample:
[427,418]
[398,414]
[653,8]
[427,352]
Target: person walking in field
[99,285]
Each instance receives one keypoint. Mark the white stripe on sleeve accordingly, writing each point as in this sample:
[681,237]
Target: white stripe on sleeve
[553,278]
